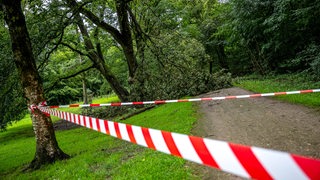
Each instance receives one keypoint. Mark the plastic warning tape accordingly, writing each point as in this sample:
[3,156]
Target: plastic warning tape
[188,100]
[244,161]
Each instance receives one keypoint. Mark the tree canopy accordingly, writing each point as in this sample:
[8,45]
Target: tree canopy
[157,49]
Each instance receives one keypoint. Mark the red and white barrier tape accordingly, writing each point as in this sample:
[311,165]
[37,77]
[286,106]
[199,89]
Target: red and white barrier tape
[188,100]
[245,161]
[33,107]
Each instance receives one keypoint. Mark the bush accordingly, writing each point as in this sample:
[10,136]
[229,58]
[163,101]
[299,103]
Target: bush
[309,58]
[179,84]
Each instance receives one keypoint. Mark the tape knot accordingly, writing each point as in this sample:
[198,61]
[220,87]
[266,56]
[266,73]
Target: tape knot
[33,107]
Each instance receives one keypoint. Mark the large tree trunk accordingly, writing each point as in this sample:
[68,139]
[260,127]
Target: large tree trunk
[99,62]
[125,30]
[123,37]
[47,149]
[222,58]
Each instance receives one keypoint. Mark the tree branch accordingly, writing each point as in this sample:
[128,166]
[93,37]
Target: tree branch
[136,25]
[47,55]
[74,49]
[96,20]
[98,44]
[67,77]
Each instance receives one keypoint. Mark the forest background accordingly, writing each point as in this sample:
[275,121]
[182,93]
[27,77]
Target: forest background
[158,49]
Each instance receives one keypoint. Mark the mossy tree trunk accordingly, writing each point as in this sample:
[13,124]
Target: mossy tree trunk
[47,149]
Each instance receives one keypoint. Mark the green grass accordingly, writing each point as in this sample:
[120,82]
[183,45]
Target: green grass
[77,110]
[280,83]
[97,156]
[17,145]
[105,100]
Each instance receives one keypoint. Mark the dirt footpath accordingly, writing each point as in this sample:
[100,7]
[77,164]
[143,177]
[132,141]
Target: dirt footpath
[261,122]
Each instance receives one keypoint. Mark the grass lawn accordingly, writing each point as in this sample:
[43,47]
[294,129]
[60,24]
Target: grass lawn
[97,156]
[284,83]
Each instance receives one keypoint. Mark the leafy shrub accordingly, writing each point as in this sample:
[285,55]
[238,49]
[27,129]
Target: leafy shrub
[312,54]
[174,68]
[179,84]
[308,58]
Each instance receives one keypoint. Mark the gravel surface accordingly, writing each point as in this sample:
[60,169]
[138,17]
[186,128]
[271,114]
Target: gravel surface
[261,122]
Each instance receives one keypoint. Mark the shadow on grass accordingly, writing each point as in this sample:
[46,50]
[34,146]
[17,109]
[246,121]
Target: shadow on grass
[15,133]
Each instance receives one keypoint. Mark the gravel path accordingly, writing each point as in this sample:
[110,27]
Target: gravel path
[261,122]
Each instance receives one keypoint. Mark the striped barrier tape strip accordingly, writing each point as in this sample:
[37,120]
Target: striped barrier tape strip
[188,100]
[244,161]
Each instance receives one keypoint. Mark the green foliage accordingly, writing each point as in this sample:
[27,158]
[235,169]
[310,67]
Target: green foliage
[311,58]
[63,95]
[46,23]
[178,84]
[274,35]
[64,91]
[178,70]
[177,54]
[291,28]
[181,46]
[65,63]
[97,156]
[12,103]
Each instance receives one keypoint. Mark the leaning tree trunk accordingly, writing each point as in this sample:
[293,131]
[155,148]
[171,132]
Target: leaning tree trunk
[127,45]
[47,149]
[99,62]
[123,37]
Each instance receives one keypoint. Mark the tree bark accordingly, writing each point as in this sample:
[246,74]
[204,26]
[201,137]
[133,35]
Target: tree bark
[125,30]
[83,77]
[222,56]
[99,62]
[84,85]
[123,37]
[47,149]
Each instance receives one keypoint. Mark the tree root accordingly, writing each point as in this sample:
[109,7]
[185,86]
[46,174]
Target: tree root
[40,161]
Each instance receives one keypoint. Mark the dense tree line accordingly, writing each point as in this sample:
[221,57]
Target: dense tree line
[274,36]
[154,49]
